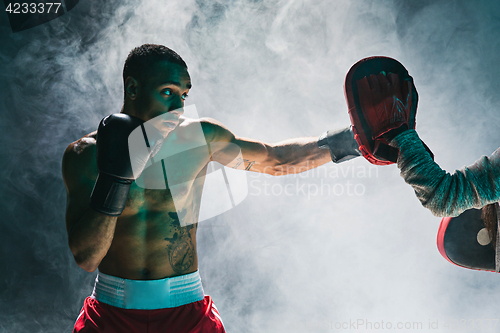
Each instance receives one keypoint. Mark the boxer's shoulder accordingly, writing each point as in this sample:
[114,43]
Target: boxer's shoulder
[211,128]
[79,158]
[82,149]
[215,130]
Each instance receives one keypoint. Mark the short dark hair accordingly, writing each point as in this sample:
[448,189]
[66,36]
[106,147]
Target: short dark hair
[141,59]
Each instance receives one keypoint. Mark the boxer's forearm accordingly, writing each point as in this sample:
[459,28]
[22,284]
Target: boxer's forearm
[443,193]
[90,238]
[297,155]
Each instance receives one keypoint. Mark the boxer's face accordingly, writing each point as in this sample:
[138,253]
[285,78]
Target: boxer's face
[163,93]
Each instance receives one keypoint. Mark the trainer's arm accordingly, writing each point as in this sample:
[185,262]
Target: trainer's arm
[446,194]
[89,232]
[285,157]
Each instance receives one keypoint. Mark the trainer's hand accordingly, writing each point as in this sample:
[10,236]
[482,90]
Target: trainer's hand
[387,102]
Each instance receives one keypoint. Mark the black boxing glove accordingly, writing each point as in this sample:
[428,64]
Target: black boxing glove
[341,143]
[120,137]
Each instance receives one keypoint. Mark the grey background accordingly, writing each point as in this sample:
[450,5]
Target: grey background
[280,261]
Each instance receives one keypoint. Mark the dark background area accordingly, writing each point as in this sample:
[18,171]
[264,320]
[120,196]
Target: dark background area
[56,84]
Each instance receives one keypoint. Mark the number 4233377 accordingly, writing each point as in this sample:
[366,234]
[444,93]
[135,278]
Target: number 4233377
[32,8]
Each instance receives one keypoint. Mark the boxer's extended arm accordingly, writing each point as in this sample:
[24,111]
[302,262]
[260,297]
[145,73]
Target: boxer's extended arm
[285,157]
[446,194]
[90,233]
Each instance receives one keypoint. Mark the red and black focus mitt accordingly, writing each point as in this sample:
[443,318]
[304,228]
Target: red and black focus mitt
[382,100]
[465,241]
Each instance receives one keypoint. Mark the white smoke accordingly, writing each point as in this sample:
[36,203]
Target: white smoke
[289,257]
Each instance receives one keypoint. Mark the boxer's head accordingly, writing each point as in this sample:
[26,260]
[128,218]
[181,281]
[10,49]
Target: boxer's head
[156,81]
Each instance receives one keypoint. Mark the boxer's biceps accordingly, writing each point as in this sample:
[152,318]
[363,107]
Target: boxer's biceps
[249,154]
[233,151]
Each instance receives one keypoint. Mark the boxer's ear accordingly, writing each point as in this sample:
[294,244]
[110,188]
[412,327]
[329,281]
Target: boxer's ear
[131,87]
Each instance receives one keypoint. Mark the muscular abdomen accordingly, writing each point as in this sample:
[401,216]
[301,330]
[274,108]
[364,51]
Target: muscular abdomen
[149,242]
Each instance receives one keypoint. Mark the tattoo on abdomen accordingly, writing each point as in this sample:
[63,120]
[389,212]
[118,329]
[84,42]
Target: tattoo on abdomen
[181,251]
[181,257]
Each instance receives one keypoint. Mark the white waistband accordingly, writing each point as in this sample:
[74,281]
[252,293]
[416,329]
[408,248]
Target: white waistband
[148,294]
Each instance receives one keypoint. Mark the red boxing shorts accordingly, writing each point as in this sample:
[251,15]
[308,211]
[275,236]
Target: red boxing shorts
[197,317]
[138,314]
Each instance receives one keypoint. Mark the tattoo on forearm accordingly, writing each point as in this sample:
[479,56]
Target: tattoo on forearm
[241,160]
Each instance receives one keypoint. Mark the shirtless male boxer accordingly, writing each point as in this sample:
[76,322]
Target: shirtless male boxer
[148,277]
